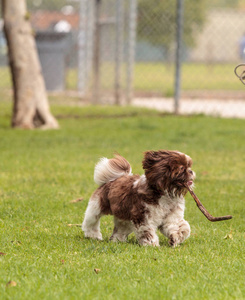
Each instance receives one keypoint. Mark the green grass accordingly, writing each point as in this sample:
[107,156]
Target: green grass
[209,77]
[158,78]
[41,171]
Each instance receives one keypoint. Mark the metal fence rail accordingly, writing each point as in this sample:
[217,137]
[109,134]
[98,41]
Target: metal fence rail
[114,51]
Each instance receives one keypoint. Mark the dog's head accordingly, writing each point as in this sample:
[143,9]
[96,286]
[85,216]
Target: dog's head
[168,171]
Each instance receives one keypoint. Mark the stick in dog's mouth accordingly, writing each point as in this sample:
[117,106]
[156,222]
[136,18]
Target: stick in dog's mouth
[203,209]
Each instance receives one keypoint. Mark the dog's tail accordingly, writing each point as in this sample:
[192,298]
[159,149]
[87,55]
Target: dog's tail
[110,169]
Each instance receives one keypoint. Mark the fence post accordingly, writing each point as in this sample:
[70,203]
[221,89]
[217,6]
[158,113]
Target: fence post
[119,50]
[82,44]
[90,42]
[179,29]
[131,48]
[96,56]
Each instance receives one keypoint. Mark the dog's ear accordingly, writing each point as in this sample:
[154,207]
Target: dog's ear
[157,168]
[152,158]
[157,162]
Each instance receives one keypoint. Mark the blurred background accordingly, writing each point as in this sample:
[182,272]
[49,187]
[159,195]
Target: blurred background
[133,51]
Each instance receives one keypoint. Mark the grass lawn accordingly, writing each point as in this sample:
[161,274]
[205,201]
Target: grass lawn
[158,78]
[207,77]
[42,171]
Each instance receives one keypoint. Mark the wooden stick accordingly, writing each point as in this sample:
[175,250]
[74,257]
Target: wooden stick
[76,200]
[203,209]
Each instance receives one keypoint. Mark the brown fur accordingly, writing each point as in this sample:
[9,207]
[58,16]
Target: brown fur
[164,170]
[142,203]
[122,200]
[120,162]
[167,170]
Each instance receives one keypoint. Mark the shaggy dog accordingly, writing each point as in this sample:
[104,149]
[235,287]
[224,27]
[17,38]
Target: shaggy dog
[142,204]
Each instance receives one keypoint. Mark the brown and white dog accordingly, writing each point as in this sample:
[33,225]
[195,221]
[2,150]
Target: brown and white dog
[142,204]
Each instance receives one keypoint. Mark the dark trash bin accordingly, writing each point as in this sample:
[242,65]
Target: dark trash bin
[52,49]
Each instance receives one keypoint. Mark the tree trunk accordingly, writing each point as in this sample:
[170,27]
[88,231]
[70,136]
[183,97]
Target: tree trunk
[31,107]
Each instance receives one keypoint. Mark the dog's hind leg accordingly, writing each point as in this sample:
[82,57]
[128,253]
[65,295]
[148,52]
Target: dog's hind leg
[121,230]
[91,223]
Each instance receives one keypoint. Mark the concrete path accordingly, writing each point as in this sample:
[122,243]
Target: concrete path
[222,108]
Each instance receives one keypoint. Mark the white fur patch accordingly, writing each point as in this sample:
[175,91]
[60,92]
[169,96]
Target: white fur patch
[169,210]
[140,181]
[91,223]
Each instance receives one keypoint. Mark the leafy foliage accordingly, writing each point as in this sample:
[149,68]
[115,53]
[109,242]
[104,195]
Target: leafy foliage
[157,21]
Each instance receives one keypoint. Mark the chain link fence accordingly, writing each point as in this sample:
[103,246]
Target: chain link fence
[132,51]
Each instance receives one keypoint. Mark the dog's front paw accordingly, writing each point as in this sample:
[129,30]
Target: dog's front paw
[178,237]
[175,239]
[154,241]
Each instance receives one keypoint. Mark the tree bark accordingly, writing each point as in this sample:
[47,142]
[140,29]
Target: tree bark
[31,107]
